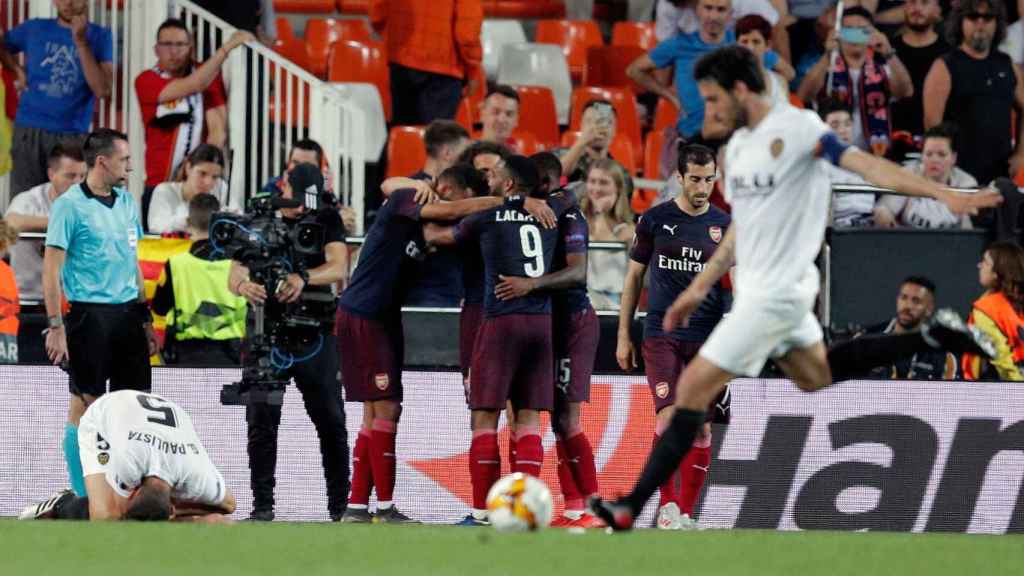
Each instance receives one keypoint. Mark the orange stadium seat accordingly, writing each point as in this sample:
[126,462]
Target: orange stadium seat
[524,8]
[406,151]
[644,197]
[636,34]
[304,6]
[621,149]
[606,66]
[665,114]
[627,115]
[352,61]
[574,37]
[525,143]
[284,28]
[354,6]
[292,49]
[795,100]
[322,32]
[538,114]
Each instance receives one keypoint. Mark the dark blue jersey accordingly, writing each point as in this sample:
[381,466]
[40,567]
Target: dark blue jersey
[573,238]
[387,262]
[512,243]
[472,272]
[676,246]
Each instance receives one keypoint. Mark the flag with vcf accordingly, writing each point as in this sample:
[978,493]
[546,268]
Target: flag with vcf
[153,254]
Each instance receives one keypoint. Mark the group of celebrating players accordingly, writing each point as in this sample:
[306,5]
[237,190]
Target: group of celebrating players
[529,333]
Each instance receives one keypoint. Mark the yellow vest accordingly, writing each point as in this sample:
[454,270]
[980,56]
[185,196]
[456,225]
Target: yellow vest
[204,308]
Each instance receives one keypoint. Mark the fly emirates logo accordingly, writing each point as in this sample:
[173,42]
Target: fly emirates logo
[688,262]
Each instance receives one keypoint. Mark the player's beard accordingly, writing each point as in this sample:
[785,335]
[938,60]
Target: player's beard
[740,118]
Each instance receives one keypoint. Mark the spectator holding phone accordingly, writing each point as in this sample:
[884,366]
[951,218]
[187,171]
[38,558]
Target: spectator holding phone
[597,130]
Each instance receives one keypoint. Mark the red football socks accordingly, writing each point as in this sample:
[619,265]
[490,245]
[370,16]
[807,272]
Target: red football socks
[693,471]
[529,451]
[484,465]
[581,462]
[362,475]
[566,479]
[382,458]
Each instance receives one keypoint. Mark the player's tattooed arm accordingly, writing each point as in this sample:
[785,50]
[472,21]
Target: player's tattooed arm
[573,275]
[687,302]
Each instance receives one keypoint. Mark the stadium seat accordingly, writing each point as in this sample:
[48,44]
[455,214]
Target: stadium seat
[644,197]
[574,37]
[627,115]
[284,28]
[354,6]
[304,6]
[636,34]
[529,64]
[795,100]
[525,142]
[621,149]
[538,114]
[406,151]
[494,34]
[322,32]
[524,8]
[466,116]
[293,49]
[606,66]
[352,61]
[665,114]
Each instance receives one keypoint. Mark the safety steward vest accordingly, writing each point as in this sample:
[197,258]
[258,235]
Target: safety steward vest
[204,308]
[994,315]
[10,306]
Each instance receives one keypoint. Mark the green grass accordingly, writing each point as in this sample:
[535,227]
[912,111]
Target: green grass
[79,549]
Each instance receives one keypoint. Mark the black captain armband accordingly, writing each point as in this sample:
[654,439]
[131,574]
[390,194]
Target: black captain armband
[517,201]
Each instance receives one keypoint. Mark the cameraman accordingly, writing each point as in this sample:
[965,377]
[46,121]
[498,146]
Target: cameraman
[316,378]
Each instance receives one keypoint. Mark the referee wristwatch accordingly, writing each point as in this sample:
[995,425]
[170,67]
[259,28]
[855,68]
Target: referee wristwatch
[55,321]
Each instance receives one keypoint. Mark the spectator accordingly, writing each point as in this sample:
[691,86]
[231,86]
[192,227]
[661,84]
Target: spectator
[849,209]
[682,51]
[10,302]
[867,75]
[30,212]
[755,33]
[606,207]
[918,46]
[67,69]
[938,164]
[987,89]
[308,151]
[434,50]
[202,173]
[915,304]
[500,115]
[179,102]
[597,130]
[206,322]
[675,16]
[998,314]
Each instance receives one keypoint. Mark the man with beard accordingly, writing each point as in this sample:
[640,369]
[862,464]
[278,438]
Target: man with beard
[987,89]
[915,304]
[779,193]
[917,47]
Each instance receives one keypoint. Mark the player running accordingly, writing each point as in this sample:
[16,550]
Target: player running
[676,240]
[142,460]
[370,326]
[512,355]
[779,192]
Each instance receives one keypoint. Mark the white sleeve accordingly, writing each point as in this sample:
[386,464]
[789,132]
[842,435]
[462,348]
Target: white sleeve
[1013,45]
[762,8]
[893,203]
[167,213]
[205,485]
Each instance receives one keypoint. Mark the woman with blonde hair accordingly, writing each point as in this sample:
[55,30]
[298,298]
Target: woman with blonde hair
[998,314]
[10,304]
[605,204]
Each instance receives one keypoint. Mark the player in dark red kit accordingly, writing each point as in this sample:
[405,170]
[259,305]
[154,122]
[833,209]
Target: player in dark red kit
[512,355]
[575,331]
[370,328]
[675,240]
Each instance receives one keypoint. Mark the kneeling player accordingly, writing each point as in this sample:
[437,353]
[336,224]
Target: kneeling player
[142,460]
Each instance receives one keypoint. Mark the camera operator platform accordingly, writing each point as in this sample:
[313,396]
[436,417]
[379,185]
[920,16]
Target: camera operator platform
[314,368]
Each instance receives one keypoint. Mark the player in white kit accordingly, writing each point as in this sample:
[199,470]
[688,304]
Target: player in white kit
[142,460]
[778,187]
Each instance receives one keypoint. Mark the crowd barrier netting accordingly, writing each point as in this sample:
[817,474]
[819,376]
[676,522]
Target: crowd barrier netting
[920,456]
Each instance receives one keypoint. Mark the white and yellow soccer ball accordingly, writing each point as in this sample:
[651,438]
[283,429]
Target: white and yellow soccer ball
[519,502]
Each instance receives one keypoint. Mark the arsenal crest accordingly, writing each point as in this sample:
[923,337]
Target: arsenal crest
[716,233]
[382,381]
[777,147]
[661,390]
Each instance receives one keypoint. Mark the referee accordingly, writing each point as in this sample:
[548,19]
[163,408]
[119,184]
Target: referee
[91,258]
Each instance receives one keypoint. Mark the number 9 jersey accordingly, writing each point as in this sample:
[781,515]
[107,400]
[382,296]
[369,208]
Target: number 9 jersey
[128,435]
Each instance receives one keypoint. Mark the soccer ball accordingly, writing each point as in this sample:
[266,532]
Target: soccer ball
[519,502]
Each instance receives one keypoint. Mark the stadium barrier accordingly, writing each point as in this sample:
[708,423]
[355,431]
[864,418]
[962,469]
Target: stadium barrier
[863,455]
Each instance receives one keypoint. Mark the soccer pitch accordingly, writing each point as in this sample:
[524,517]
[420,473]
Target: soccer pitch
[34,548]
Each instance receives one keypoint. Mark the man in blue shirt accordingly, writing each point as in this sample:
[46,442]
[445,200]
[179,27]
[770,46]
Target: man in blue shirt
[682,51]
[91,257]
[67,69]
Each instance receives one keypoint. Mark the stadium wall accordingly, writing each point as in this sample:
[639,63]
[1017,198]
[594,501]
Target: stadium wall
[866,455]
